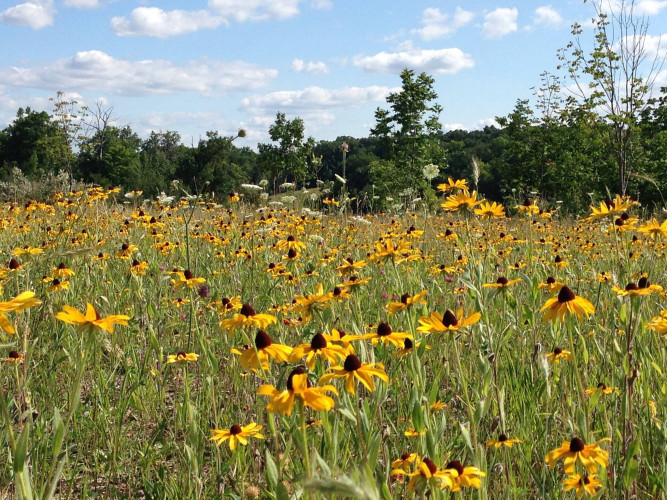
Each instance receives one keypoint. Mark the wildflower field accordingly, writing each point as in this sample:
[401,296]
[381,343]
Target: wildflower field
[186,349]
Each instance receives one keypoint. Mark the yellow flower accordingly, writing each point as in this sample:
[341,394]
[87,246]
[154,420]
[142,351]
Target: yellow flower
[236,434]
[289,244]
[353,369]
[405,458]
[264,350]
[551,285]
[58,286]
[138,268]
[186,279]
[502,440]
[182,357]
[528,207]
[590,455]
[654,229]
[298,386]
[658,323]
[19,303]
[582,484]
[558,355]
[426,473]
[601,388]
[62,271]
[14,357]
[452,184]
[490,210]
[91,319]
[461,201]
[247,318]
[641,289]
[437,322]
[349,266]
[412,432]
[406,302]
[386,335]
[566,302]
[319,346]
[388,250]
[464,477]
[501,282]
[308,304]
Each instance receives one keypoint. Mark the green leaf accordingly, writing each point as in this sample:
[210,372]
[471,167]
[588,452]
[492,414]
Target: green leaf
[271,470]
[417,417]
[22,449]
[58,432]
[466,438]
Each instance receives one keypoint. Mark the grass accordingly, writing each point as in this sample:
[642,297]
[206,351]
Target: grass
[92,414]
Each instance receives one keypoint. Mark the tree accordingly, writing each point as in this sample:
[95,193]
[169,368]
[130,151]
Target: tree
[408,132]
[614,80]
[67,119]
[289,157]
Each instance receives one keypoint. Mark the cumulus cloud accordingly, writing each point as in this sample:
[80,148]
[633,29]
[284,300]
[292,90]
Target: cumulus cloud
[547,16]
[440,61]
[439,25]
[314,67]
[650,7]
[158,23]
[321,4]
[36,14]
[96,70]
[254,10]
[500,22]
[82,4]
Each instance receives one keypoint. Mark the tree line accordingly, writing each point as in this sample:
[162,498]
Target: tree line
[606,134]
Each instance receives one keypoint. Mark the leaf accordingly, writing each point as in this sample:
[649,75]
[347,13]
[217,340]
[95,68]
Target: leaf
[417,417]
[466,437]
[271,470]
[58,432]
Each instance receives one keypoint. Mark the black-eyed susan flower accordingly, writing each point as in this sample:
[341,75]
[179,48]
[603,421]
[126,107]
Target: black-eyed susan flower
[354,369]
[298,387]
[22,301]
[501,282]
[126,251]
[452,185]
[464,477]
[658,323]
[58,286]
[349,266]
[426,474]
[233,197]
[502,440]
[236,434]
[290,243]
[182,357]
[318,347]
[412,432]
[449,321]
[92,319]
[582,484]
[590,455]
[388,249]
[247,318]
[62,271]
[14,357]
[654,229]
[306,305]
[403,460]
[528,207]
[138,268]
[464,200]
[566,302]
[640,289]
[186,279]
[601,388]
[264,350]
[551,284]
[490,210]
[406,302]
[385,334]
[558,355]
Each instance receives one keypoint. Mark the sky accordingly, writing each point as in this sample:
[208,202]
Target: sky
[220,65]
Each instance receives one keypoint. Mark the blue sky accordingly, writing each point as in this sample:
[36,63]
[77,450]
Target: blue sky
[225,64]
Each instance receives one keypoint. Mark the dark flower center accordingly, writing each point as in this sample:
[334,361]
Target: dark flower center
[643,282]
[431,466]
[100,255]
[404,298]
[337,291]
[584,480]
[456,465]
[181,354]
[602,386]
[246,310]
[62,266]
[272,265]
[449,319]
[299,370]
[551,280]
[14,264]
[188,274]
[618,222]
[502,438]
[558,351]
[630,287]
[262,340]
[625,216]
[135,263]
[318,342]
[384,329]
[124,246]
[558,259]
[405,456]
[350,261]
[14,355]
[502,280]
[235,429]
[55,282]
[291,253]
[577,445]
[290,238]
[407,344]
[448,232]
[566,295]
[352,363]
[527,202]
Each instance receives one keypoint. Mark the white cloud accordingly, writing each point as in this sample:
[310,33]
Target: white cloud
[500,22]
[254,10]
[547,16]
[478,125]
[650,7]
[321,4]
[157,23]
[439,25]
[96,70]
[441,61]
[36,14]
[82,4]
[314,67]
[313,104]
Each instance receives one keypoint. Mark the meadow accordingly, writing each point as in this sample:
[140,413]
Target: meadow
[182,348]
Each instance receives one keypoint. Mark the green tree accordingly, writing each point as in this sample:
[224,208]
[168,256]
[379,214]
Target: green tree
[119,163]
[289,156]
[407,134]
